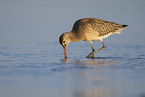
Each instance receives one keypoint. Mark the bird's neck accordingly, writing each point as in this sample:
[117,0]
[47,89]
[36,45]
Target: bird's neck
[73,37]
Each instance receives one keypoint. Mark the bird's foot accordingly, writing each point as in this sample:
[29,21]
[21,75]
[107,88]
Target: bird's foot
[91,55]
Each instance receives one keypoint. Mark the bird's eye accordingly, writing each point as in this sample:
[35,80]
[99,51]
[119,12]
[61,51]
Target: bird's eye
[63,41]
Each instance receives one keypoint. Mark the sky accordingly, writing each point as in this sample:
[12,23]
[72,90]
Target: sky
[27,21]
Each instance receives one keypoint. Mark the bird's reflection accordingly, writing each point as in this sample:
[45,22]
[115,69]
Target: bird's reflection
[66,60]
[91,81]
[92,62]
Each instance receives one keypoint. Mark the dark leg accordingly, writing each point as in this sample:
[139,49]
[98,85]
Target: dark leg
[91,55]
[92,46]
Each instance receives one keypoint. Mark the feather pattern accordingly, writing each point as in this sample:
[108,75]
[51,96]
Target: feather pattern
[100,26]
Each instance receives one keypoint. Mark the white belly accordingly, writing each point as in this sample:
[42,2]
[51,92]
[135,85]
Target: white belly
[95,37]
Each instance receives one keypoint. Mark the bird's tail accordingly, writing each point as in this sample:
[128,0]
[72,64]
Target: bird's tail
[124,26]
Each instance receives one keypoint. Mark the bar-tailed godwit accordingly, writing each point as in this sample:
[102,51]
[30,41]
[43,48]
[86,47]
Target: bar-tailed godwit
[90,29]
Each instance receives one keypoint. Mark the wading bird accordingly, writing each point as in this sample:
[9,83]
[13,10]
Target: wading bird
[90,29]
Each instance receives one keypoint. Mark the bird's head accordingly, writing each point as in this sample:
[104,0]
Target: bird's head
[64,41]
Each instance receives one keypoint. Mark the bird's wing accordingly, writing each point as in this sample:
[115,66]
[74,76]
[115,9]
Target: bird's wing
[104,27]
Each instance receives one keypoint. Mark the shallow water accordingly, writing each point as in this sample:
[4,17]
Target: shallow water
[40,70]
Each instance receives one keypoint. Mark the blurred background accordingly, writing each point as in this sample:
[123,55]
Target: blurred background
[45,20]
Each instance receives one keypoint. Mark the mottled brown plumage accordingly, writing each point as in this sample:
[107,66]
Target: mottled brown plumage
[90,29]
[100,26]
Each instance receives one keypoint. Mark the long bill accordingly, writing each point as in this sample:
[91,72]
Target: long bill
[65,51]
